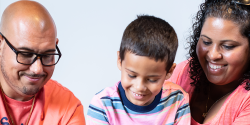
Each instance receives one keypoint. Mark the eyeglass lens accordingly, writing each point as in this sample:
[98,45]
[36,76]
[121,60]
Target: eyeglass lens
[29,58]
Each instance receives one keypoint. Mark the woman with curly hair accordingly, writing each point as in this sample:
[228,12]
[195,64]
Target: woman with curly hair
[217,74]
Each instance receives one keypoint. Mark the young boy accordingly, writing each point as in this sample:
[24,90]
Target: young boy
[145,59]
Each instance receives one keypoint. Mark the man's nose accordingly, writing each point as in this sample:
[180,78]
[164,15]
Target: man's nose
[37,67]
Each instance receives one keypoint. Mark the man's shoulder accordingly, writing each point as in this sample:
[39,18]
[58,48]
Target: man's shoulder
[60,103]
[53,90]
[54,86]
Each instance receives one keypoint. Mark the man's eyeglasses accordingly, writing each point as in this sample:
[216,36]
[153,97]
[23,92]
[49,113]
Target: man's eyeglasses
[243,2]
[28,58]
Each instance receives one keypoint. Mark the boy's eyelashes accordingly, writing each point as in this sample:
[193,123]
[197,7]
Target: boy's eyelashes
[131,76]
[150,80]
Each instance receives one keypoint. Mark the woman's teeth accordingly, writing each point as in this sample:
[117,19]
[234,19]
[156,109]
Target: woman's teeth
[215,66]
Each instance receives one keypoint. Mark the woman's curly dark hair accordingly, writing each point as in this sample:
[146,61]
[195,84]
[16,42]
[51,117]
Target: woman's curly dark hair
[225,9]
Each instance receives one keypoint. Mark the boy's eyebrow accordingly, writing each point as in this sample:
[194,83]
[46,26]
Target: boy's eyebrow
[131,70]
[148,75]
[154,76]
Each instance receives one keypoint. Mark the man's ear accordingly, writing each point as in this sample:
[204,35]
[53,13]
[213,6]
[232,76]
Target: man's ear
[1,44]
[57,40]
[171,70]
[119,63]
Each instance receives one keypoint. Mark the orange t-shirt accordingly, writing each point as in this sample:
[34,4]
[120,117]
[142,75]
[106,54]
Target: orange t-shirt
[54,105]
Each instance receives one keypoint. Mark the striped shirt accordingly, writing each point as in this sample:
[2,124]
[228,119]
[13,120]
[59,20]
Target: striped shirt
[110,106]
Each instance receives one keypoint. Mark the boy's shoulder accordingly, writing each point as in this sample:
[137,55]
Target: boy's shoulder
[108,92]
[170,88]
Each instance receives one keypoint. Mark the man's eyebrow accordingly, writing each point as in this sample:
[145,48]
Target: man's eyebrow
[50,50]
[31,50]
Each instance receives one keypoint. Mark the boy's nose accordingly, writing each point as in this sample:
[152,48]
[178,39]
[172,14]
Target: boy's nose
[140,86]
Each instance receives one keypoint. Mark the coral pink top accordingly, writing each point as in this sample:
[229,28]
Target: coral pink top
[234,111]
[54,105]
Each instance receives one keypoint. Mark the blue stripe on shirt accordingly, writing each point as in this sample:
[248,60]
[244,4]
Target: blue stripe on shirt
[183,110]
[97,113]
[165,102]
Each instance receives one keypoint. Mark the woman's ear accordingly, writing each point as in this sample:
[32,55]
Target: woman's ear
[171,70]
[119,63]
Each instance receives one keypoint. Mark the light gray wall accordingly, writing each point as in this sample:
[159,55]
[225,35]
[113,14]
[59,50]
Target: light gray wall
[90,32]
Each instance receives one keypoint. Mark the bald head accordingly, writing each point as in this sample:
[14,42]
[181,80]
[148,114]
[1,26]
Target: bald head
[26,14]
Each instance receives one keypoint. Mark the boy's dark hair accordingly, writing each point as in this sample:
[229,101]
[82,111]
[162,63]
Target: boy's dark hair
[152,37]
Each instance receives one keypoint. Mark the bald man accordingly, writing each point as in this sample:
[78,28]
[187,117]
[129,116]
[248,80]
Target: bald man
[28,55]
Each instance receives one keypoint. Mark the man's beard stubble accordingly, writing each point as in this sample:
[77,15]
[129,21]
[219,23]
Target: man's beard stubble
[23,89]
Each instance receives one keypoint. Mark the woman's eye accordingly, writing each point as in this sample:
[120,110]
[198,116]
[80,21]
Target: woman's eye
[228,47]
[131,76]
[153,81]
[207,43]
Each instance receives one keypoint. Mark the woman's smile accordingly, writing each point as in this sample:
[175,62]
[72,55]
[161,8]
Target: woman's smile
[216,69]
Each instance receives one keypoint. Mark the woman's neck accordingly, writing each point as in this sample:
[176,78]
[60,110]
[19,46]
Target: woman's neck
[217,91]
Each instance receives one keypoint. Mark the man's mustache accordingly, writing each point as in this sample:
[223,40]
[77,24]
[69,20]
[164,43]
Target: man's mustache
[32,75]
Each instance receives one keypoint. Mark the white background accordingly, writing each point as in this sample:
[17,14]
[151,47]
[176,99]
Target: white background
[90,32]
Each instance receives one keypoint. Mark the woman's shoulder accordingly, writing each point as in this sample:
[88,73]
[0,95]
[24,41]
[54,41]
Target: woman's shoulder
[181,75]
[182,65]
[179,70]
[241,94]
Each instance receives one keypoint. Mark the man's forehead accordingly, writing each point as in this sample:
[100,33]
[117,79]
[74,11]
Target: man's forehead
[25,31]
[30,36]
[33,42]
[30,31]
[36,47]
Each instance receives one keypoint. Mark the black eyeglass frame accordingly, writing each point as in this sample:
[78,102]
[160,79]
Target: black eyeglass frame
[242,2]
[37,55]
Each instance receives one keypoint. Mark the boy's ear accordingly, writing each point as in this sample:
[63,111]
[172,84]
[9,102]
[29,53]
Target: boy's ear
[119,63]
[171,70]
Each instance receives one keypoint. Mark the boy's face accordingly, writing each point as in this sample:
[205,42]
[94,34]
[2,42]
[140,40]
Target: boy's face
[142,78]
